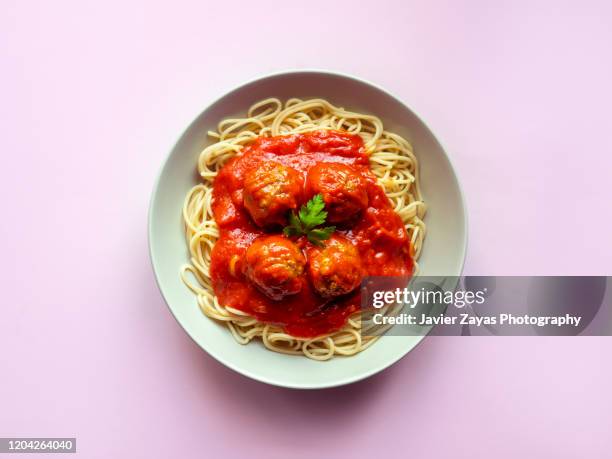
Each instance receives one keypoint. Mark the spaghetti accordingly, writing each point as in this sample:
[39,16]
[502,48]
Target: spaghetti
[391,160]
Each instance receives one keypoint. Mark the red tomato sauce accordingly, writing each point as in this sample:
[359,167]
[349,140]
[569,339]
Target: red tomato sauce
[378,233]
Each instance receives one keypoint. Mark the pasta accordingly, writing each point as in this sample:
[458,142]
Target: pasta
[392,161]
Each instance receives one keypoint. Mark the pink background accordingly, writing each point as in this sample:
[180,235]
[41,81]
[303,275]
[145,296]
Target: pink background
[93,97]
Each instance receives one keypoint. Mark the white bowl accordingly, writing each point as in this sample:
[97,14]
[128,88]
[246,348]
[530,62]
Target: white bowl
[443,251]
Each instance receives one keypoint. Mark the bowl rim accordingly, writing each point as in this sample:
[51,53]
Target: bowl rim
[151,210]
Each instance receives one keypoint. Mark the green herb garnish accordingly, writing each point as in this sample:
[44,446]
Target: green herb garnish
[305,222]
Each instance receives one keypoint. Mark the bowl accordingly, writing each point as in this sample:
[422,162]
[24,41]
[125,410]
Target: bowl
[443,251]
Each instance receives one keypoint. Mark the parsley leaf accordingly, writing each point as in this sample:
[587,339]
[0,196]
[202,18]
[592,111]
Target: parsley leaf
[317,236]
[295,226]
[313,213]
[305,223]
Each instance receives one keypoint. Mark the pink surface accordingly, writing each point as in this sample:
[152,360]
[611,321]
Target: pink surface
[93,97]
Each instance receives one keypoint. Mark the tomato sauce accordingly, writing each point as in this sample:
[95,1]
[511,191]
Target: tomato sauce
[378,233]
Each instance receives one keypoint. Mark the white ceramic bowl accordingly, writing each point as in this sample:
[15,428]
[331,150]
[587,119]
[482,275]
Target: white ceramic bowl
[443,252]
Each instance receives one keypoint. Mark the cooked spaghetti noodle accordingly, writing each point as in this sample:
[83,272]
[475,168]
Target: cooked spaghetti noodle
[392,161]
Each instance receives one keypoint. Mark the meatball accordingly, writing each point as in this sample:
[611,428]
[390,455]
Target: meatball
[270,190]
[336,269]
[275,265]
[342,188]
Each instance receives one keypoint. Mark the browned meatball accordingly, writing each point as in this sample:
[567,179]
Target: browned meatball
[336,269]
[275,265]
[342,188]
[270,190]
